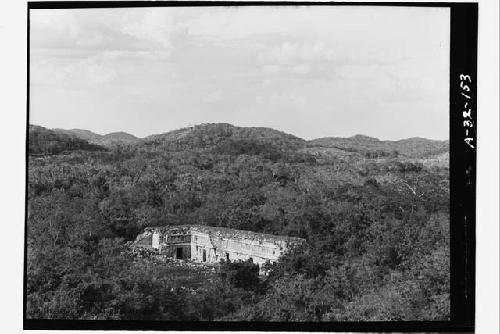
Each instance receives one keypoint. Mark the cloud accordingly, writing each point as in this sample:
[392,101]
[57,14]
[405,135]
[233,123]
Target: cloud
[95,73]
[271,69]
[234,23]
[83,47]
[289,52]
[296,68]
[155,25]
[279,98]
[140,55]
[80,72]
[301,69]
[99,30]
[213,97]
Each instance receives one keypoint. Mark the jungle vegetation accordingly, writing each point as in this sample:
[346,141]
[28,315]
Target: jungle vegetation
[375,215]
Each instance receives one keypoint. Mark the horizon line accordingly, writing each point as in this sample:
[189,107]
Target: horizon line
[265,127]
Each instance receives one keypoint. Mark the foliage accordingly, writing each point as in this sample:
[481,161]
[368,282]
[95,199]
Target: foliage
[242,274]
[373,148]
[44,141]
[376,224]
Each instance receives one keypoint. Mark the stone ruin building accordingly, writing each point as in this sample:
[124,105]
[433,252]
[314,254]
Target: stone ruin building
[206,244]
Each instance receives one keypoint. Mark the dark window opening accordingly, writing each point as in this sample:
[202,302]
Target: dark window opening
[227,257]
[204,255]
[179,254]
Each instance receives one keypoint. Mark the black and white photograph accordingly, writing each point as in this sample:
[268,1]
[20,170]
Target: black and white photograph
[224,163]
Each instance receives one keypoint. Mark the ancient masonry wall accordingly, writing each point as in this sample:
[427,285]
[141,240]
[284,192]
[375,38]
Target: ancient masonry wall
[211,244]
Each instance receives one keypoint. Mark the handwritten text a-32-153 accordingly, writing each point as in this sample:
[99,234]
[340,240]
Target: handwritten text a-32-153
[468,124]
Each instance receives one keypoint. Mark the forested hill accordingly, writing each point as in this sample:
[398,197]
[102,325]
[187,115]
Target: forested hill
[43,141]
[114,138]
[376,225]
[118,137]
[87,135]
[233,138]
[223,136]
[373,147]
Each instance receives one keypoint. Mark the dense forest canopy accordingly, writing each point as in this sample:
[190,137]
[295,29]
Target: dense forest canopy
[44,141]
[375,215]
[94,138]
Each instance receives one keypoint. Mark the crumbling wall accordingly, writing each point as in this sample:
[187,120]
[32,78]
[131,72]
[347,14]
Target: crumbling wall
[210,244]
[155,239]
[175,243]
[202,248]
[173,251]
[144,239]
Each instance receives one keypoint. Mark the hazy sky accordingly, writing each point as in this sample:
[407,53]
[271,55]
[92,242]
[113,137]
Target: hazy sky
[309,71]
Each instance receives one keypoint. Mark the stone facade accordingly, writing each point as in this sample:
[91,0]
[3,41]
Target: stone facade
[206,244]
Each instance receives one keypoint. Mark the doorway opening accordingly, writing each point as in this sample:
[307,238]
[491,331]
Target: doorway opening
[204,256]
[179,254]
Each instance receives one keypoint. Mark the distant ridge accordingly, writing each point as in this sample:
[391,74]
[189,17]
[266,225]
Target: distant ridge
[44,141]
[94,138]
[118,137]
[80,133]
[359,137]
[412,147]
[223,129]
[215,134]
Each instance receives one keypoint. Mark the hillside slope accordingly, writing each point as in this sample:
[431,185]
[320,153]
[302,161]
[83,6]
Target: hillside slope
[42,141]
[373,147]
[117,138]
[87,135]
[104,140]
[374,227]
[219,134]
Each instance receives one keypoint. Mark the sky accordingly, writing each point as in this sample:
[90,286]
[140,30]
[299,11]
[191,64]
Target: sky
[309,71]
